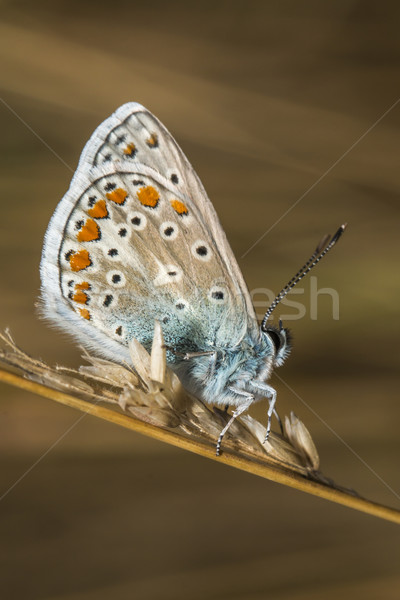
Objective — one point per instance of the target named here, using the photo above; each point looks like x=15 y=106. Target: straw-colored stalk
x=149 y=398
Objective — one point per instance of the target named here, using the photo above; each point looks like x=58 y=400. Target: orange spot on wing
x=152 y=141
x=99 y=210
x=80 y=297
x=79 y=260
x=82 y=286
x=84 y=313
x=148 y=196
x=130 y=149
x=118 y=196
x=89 y=232
x=179 y=207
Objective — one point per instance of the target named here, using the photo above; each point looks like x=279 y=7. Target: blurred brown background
x=271 y=101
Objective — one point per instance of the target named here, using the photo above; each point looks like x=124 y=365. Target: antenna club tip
x=338 y=234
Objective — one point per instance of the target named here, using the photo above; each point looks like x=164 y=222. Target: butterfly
x=136 y=239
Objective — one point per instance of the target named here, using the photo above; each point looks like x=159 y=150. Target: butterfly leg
x=271 y=410
x=189 y=355
x=248 y=401
x=279 y=421
x=269 y=391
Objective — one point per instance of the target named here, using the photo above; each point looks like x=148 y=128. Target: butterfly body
x=135 y=240
x=222 y=377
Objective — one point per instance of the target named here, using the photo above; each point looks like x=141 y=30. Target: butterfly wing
x=136 y=239
x=134 y=133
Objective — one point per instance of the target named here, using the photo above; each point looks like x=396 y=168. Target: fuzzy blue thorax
x=243 y=367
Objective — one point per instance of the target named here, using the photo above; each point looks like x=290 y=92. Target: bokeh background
x=287 y=112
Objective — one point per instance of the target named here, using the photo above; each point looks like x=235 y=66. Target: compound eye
x=281 y=340
x=276 y=339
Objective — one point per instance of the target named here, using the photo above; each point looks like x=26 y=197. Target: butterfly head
x=281 y=342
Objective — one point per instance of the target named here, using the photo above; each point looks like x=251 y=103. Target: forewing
x=133 y=133
x=133 y=241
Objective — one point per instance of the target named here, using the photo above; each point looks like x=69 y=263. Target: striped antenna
x=321 y=250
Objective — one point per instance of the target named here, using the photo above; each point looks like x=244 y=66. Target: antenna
x=321 y=250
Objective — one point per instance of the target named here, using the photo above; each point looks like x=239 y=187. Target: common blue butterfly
x=135 y=239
